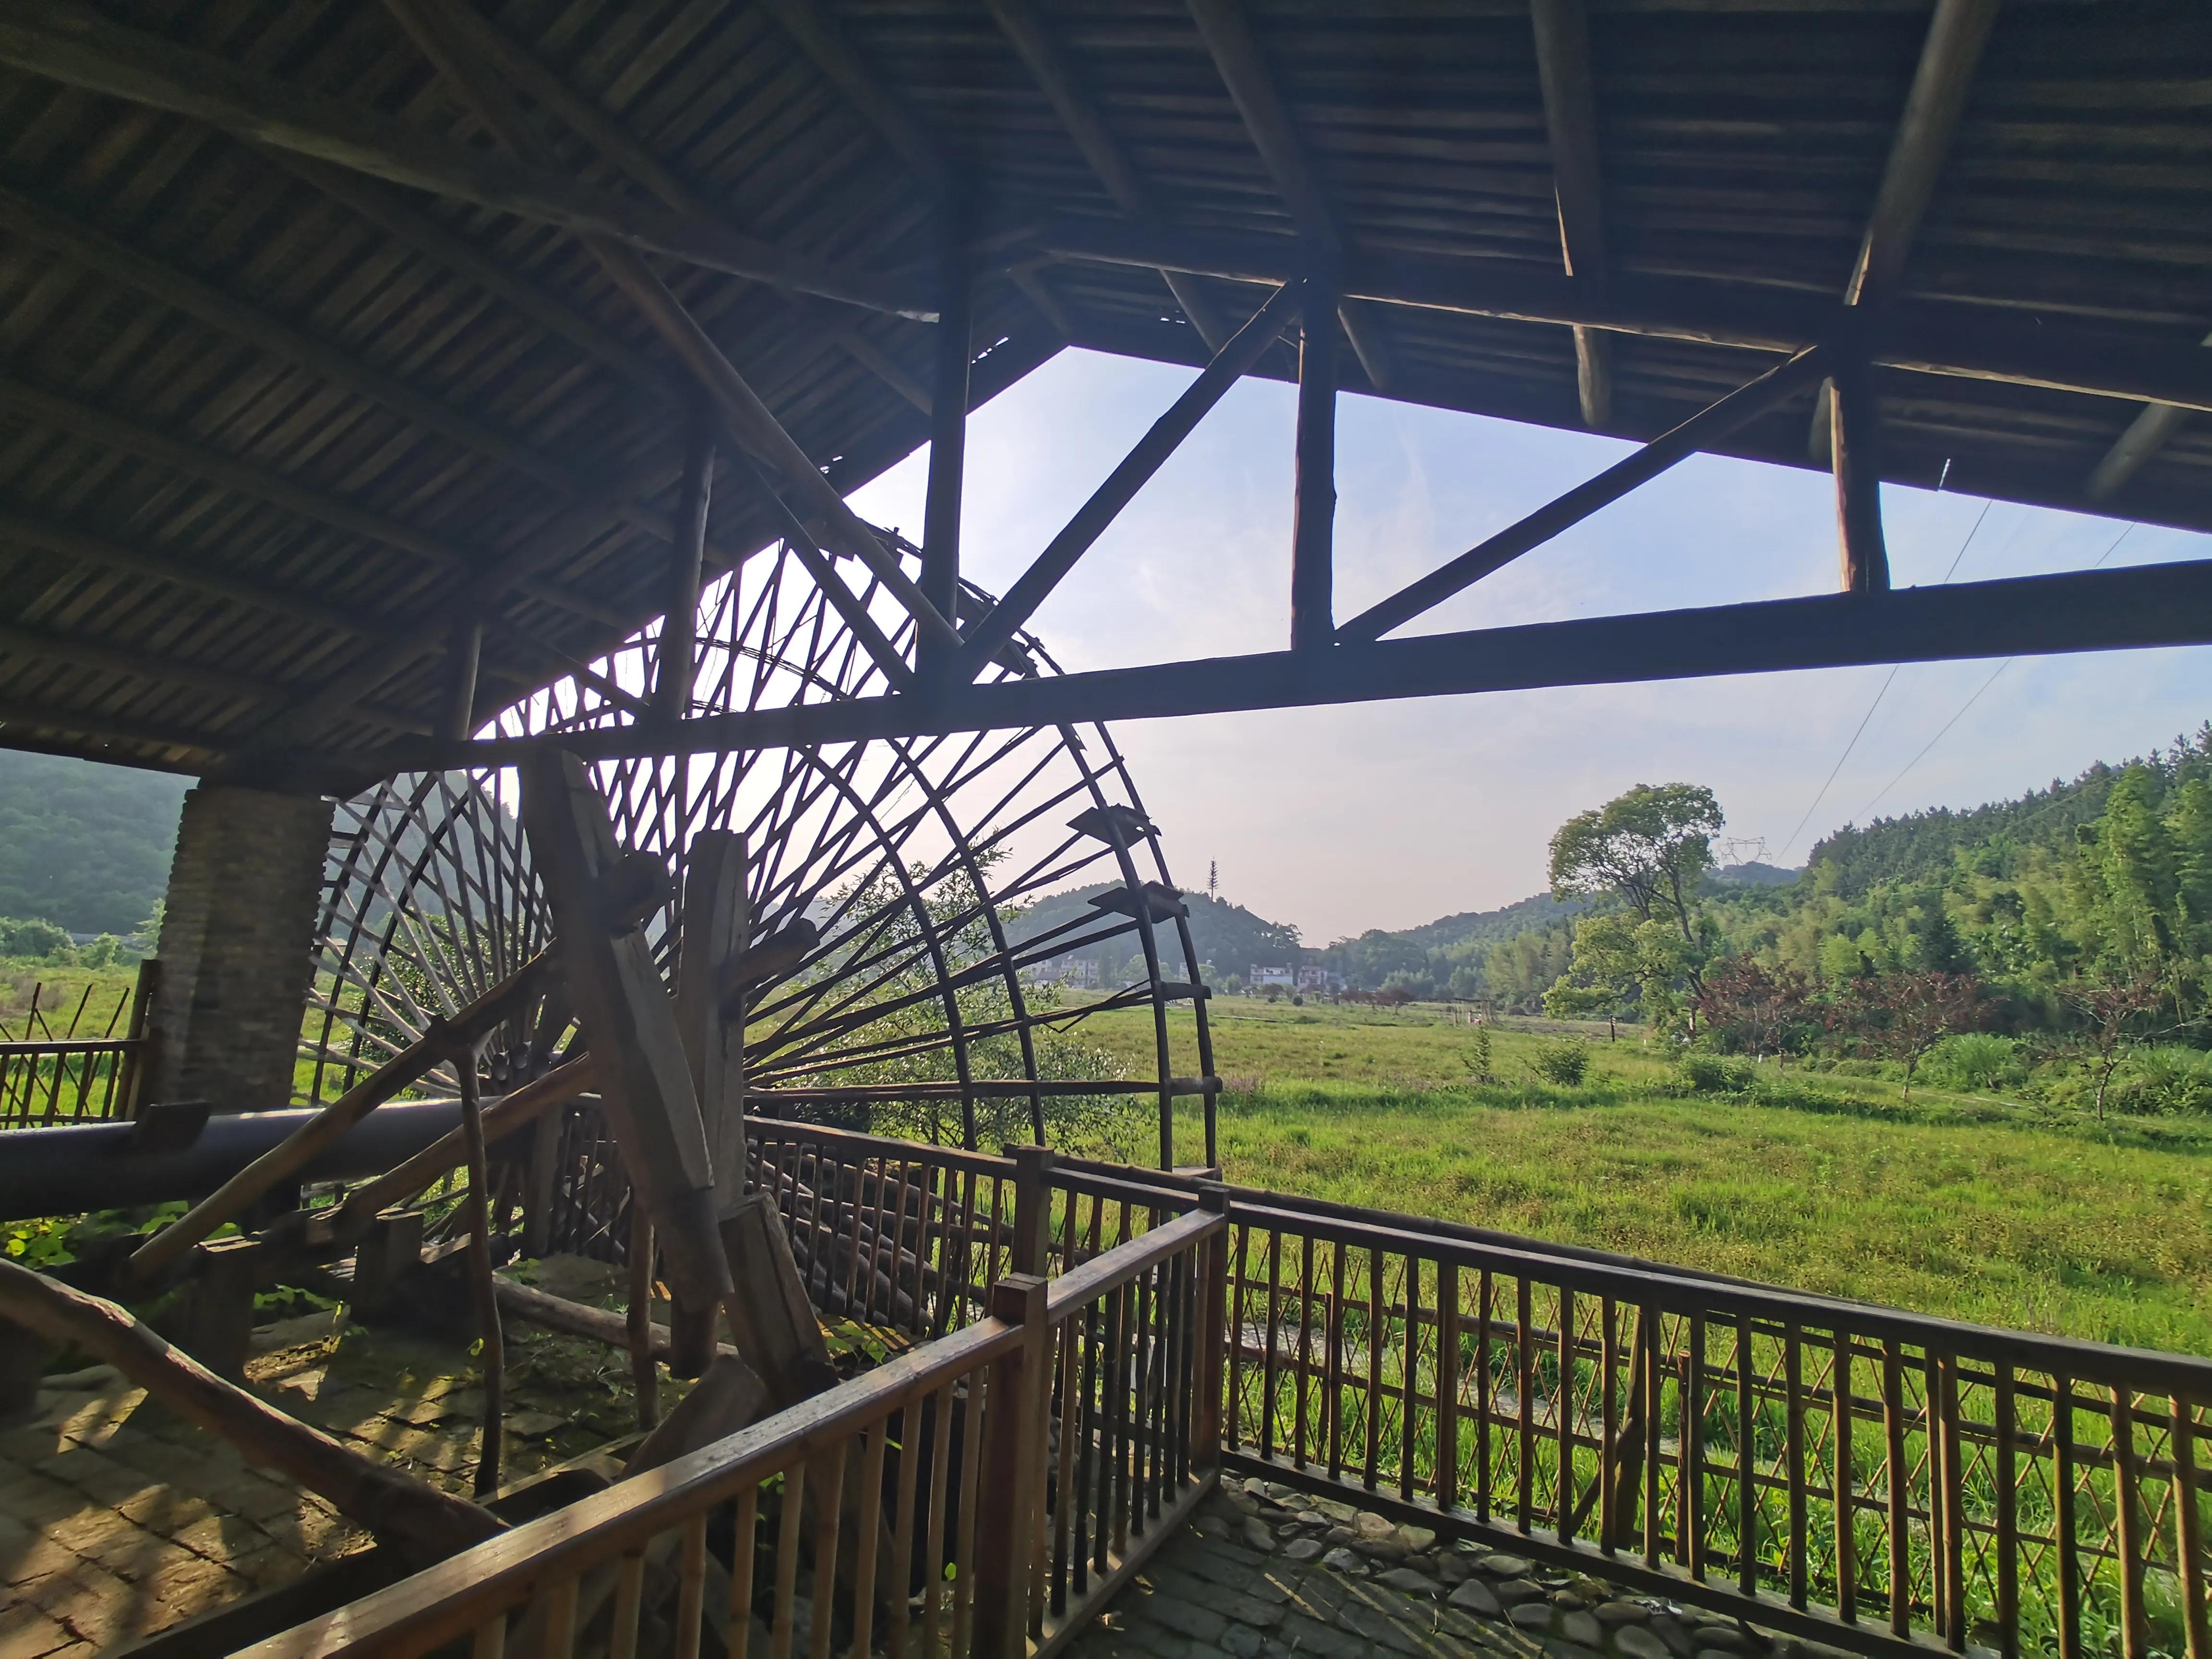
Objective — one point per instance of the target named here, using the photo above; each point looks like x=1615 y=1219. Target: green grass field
x=1968 y=1205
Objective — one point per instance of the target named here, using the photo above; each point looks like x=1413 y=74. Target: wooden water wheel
x=906 y=869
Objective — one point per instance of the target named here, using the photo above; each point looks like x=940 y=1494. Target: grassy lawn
x=1968 y=1205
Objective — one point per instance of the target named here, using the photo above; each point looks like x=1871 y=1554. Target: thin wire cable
x=1976 y=697
x=1974 y=530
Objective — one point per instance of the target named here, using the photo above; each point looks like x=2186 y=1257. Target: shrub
x=33 y=938
x=1974 y=1060
x=1714 y=1075
x=1564 y=1061
x=2169 y=1078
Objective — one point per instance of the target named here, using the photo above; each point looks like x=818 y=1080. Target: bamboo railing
x=1015 y=1471
x=82 y=1074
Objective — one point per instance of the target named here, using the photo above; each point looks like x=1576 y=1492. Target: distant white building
x=1286 y=977
x=1079 y=973
x=1319 y=980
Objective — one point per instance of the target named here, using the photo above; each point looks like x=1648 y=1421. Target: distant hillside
x=1227 y=935
x=81 y=845
x=1925 y=845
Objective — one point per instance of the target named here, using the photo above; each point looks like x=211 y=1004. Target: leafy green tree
x=1603 y=975
x=1650 y=848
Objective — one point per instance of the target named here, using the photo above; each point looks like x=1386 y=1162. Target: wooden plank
x=1313 y=518
x=1563 y=72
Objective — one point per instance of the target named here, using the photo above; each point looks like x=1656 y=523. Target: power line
x=1975 y=530
x=2113 y=548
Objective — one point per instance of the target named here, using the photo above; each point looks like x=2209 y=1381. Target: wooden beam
x=423 y=1523
x=140 y=664
x=1228 y=36
x=457 y=716
x=208 y=466
x=2144 y=437
x=1040 y=50
x=1957 y=31
x=1968 y=342
x=948 y=440
x=988 y=634
x=1855 y=442
x=599 y=128
x=747 y=419
x=1777 y=386
x=1563 y=70
x=70 y=45
x=676 y=660
x=1312 y=516
x=19 y=716
x=2139 y=607
x=818 y=35
x=1956 y=34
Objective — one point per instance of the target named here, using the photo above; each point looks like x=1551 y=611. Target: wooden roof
x=264 y=416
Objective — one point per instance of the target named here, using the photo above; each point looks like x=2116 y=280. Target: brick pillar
x=237 y=945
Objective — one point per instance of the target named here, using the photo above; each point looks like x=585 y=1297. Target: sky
x=1392 y=814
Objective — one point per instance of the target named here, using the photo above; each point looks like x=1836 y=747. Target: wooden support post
x=948 y=438
x=1213 y=1333
x=1313 y=622
x=715 y=920
x=1012 y=1472
x=1855 y=435
x=645 y=1083
x=1032 y=1207
x=637 y=1318
x=143 y=1062
x=392 y=1247
x=218 y=1315
x=770 y=1317
x=480 y=1285
x=545 y=1137
x=678 y=654
x=457 y=716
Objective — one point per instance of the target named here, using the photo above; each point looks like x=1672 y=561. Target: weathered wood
x=1228 y=364
x=637 y=1320
x=1855 y=446
x=535 y=1307
x=948 y=438
x=774 y=1324
x=478 y=1210
x=422 y=1523
x=710 y=1010
x=2144 y=437
x=1014 y=1430
x=1562 y=71
x=409 y=1065
x=676 y=658
x=66 y=44
x=1313 y=515
x=644 y=1081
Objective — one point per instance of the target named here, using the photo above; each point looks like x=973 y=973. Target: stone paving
x=1264 y=1571
x=118 y=1519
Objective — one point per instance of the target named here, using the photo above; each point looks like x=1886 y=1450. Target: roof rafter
x=2144 y=437
x=1563 y=69
x=72 y=46
x=1034 y=41
x=1228 y=35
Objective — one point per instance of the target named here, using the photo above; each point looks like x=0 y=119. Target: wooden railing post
x=1212 y=1331
x=1011 y=1486
x=1032 y=1207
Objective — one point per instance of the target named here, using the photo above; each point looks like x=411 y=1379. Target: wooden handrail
x=73 y=1046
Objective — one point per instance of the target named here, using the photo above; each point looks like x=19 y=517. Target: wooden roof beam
x=1563 y=70
x=1927 y=338
x=745 y=418
x=73 y=45
x=1956 y=34
x=2144 y=437
x=208 y=467
x=817 y=34
x=1228 y=36
x=1037 y=47
x=72 y=239
x=17 y=714
x=624 y=151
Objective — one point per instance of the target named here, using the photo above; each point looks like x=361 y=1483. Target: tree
x=1902 y=1016
x=1754 y=1006
x=1648 y=848
x=2118 y=1013
x=1603 y=974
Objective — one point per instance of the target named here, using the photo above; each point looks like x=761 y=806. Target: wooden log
x=637 y=1320
x=772 y=1322
x=66 y=44
x=710 y=1008
x=408 y=1066
x=480 y=1285
x=1855 y=434
x=422 y=1523
x=510 y=1112
x=1313 y=517
x=645 y=1081
x=553 y=1313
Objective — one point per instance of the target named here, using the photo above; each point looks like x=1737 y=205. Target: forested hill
x=1924 y=845
x=84 y=846
x=1227 y=935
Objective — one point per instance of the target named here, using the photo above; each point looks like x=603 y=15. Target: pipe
x=93 y=1166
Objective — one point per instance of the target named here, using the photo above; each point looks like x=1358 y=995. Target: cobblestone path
x=1263 y=1571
